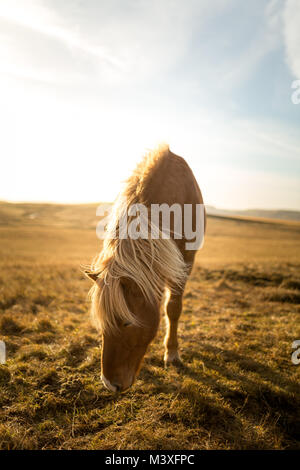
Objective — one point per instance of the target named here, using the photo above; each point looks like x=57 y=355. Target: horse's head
x=123 y=350
x=124 y=346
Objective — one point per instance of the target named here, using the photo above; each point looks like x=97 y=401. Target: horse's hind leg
x=172 y=313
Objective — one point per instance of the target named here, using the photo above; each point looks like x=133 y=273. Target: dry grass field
x=238 y=388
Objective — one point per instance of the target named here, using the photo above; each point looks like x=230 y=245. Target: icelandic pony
x=135 y=278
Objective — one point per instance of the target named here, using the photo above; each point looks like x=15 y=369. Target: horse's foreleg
x=173 y=312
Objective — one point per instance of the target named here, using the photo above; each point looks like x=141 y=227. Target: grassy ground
x=238 y=388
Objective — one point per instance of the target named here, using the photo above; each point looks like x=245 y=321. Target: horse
x=137 y=278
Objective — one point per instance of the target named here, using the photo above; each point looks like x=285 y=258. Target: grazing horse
x=136 y=277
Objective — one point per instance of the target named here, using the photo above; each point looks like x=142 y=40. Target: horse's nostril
x=117 y=387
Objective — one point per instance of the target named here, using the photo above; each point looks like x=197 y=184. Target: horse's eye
x=126 y=324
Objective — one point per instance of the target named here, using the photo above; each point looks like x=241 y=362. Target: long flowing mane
x=153 y=264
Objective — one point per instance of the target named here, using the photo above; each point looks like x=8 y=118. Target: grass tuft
x=9 y=326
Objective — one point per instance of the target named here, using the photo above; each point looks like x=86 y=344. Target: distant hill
x=263 y=213
x=84 y=215
x=47 y=214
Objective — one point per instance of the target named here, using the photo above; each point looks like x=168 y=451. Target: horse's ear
x=91 y=275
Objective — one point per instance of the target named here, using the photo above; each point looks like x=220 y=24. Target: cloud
x=292 y=35
x=135 y=41
x=265 y=37
x=115 y=41
x=42 y=20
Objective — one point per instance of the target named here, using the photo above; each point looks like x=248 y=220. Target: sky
x=87 y=86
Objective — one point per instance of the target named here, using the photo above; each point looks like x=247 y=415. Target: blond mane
x=153 y=264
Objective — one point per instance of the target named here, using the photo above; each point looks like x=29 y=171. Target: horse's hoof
x=173 y=360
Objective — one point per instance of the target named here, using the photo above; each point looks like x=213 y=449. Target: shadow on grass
x=269 y=394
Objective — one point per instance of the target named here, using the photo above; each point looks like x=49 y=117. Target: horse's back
x=173 y=182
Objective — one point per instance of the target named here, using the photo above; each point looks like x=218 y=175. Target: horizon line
x=65 y=203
